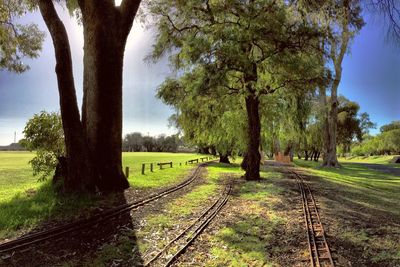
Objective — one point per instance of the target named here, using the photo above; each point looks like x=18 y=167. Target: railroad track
x=70 y=228
x=177 y=246
x=320 y=254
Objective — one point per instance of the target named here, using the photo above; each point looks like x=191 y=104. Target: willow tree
x=93 y=141
x=249 y=48
x=217 y=122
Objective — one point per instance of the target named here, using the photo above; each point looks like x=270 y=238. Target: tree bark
x=252 y=158
x=93 y=145
x=80 y=175
x=106 y=28
x=224 y=158
x=330 y=157
x=316 y=157
x=306 y=155
x=213 y=151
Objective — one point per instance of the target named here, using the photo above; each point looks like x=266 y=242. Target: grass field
x=247 y=237
x=371 y=159
x=363 y=210
x=25 y=202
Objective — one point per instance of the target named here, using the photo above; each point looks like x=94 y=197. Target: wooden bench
x=193 y=160
x=161 y=164
x=204 y=158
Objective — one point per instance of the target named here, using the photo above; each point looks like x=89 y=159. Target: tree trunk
x=316 y=157
x=306 y=155
x=102 y=84
x=252 y=158
x=213 y=151
x=224 y=158
x=80 y=174
x=93 y=146
x=330 y=157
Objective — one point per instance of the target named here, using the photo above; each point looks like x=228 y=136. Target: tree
x=351 y=125
x=93 y=143
x=387 y=142
x=133 y=142
x=391 y=126
x=148 y=143
x=17 y=40
x=390 y=11
x=366 y=123
x=44 y=134
x=245 y=49
x=206 y=121
x=345 y=23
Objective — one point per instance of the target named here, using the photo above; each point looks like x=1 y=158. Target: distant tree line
x=385 y=143
x=137 y=142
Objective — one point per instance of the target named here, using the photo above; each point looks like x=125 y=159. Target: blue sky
x=371 y=76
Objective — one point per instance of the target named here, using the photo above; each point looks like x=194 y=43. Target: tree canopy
x=243 y=50
x=17 y=40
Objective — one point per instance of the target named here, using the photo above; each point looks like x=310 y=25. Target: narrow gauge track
x=181 y=242
x=320 y=254
x=70 y=228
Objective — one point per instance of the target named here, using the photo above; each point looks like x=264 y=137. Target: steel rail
x=193 y=230
x=319 y=256
x=61 y=230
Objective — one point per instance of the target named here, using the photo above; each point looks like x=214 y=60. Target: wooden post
x=143 y=166
x=180 y=163
x=160 y=166
x=151 y=167
x=171 y=164
x=186 y=163
x=127 y=172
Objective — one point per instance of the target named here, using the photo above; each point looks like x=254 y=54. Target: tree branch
x=128 y=10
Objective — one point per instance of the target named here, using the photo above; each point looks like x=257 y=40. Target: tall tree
x=345 y=23
x=246 y=48
x=93 y=143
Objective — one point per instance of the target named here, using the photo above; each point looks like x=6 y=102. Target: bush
x=44 y=134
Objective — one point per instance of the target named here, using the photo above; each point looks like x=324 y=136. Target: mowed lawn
x=385 y=160
x=167 y=175
x=25 y=202
x=361 y=207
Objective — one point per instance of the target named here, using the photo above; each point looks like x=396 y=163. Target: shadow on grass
x=254 y=238
x=371 y=195
x=258 y=227
x=43 y=209
x=362 y=207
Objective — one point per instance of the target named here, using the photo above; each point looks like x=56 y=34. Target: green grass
x=371 y=159
x=248 y=240
x=25 y=202
x=157 y=178
x=178 y=210
x=368 y=188
x=16 y=174
x=366 y=205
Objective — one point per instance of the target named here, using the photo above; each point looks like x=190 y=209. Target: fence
x=162 y=164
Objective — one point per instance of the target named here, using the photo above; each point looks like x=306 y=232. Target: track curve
x=58 y=231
